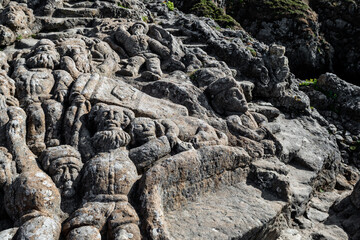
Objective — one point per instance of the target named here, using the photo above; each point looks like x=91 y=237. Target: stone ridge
x=133 y=120
x=319 y=35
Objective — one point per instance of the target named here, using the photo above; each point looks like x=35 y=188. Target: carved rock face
x=108 y=117
x=63 y=163
x=230 y=101
x=143 y=130
x=44 y=55
x=5 y=168
x=109 y=125
x=65 y=176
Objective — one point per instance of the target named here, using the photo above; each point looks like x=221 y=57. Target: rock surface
x=134 y=120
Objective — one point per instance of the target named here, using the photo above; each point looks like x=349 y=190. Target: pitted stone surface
x=132 y=120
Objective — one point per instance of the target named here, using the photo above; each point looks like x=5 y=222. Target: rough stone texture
x=239 y=211
x=132 y=120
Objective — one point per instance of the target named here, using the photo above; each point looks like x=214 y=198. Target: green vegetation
x=119 y=4
x=308 y=82
x=170 y=5
x=145 y=19
x=355 y=146
x=283 y=8
x=252 y=51
x=313 y=82
x=192 y=75
x=19 y=37
x=208 y=9
x=268 y=9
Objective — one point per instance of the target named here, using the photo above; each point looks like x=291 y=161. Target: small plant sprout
x=252 y=51
x=308 y=82
x=145 y=19
x=170 y=5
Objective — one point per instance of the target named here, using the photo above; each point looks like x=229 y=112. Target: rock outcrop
x=133 y=120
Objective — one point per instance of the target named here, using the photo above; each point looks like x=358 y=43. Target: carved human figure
x=63 y=164
x=227 y=97
x=198 y=132
x=110 y=120
x=152 y=140
x=141 y=48
x=17 y=18
x=7 y=92
x=106 y=181
x=104 y=59
x=43 y=55
x=34 y=86
x=75 y=56
x=31 y=198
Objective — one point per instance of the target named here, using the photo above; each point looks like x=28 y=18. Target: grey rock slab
x=290 y=234
x=117 y=92
x=231 y=212
x=316 y=215
x=76 y=12
x=8 y=234
x=304 y=141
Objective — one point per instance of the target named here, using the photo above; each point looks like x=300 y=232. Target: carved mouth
x=109 y=125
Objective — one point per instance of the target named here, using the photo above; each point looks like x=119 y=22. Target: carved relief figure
x=63 y=164
x=141 y=48
x=106 y=182
x=33 y=87
x=31 y=198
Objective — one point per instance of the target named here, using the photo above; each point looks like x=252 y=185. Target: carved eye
x=138 y=126
x=74 y=171
x=60 y=171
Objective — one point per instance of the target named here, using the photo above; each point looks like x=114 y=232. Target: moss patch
x=207 y=8
x=285 y=8
x=268 y=9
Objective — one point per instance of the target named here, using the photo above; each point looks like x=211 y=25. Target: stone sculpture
x=132 y=120
x=63 y=164
x=35 y=81
x=141 y=49
x=75 y=56
x=31 y=198
x=152 y=140
x=106 y=181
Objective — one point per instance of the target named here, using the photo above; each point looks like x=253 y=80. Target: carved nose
x=67 y=175
x=111 y=115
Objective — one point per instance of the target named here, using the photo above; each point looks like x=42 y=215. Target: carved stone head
x=63 y=164
x=110 y=120
x=142 y=130
x=227 y=97
x=7 y=85
x=7 y=169
x=139 y=28
x=44 y=55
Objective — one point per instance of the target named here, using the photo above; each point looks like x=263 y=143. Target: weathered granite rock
x=117 y=92
x=224 y=144
x=172 y=183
